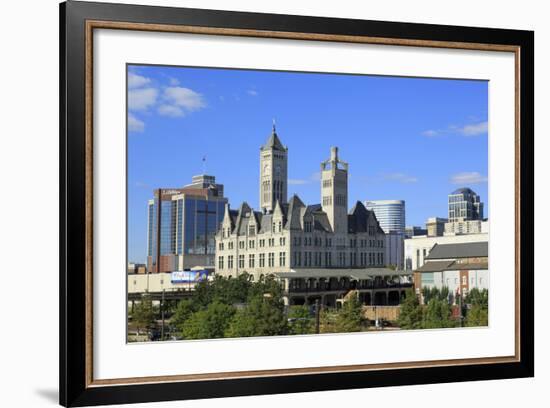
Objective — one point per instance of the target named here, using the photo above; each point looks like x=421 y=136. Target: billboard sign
x=189 y=276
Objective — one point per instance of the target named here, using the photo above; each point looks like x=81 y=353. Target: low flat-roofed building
x=417 y=249
x=459 y=266
x=435 y=226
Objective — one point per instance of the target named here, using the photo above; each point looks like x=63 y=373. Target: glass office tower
x=182 y=223
x=465 y=205
x=389 y=213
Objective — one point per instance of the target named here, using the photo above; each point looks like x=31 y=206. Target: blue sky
x=404 y=138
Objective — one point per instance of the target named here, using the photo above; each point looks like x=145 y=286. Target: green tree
x=438 y=314
x=266 y=286
x=209 y=323
x=477 y=315
x=478 y=312
x=327 y=323
x=410 y=312
x=300 y=320
x=228 y=290
x=350 y=316
x=183 y=311
x=262 y=316
x=144 y=314
x=477 y=297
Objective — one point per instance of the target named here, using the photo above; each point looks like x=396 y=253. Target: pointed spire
x=273 y=142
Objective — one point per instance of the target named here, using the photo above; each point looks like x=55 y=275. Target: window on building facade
x=280 y=226
x=241 y=261
x=251 y=230
x=271 y=259
x=282 y=258
x=282 y=241
x=220 y=262
x=262 y=260
x=308 y=226
x=251 y=261
x=230 y=262
x=251 y=243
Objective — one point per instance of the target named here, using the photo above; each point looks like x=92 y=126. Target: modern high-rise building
x=465 y=213
x=182 y=223
x=389 y=213
x=465 y=205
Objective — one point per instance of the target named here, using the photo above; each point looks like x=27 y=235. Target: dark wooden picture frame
x=77 y=22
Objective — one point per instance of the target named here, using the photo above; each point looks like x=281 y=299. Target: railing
x=339 y=288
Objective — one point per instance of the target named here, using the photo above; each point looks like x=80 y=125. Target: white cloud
x=315 y=177
x=141 y=99
x=134 y=124
x=475 y=129
x=472 y=129
x=400 y=178
x=430 y=133
x=136 y=81
x=471 y=177
x=184 y=98
x=174 y=82
x=252 y=92
x=170 y=110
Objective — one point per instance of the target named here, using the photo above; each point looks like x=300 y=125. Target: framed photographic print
x=256 y=203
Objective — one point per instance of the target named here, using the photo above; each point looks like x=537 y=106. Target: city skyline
x=186 y=121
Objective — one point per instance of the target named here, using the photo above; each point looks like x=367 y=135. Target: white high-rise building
x=389 y=213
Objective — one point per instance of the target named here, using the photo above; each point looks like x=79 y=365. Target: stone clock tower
x=273 y=172
x=334 y=191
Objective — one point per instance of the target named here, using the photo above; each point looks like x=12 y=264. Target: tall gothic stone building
x=284 y=236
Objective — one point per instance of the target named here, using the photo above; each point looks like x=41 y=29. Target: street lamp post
x=162 y=316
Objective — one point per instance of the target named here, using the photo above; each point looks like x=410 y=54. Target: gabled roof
x=359 y=217
x=440 y=266
x=321 y=222
x=293 y=213
x=435 y=266
x=460 y=250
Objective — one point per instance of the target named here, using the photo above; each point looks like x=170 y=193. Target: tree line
x=436 y=312
x=239 y=307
